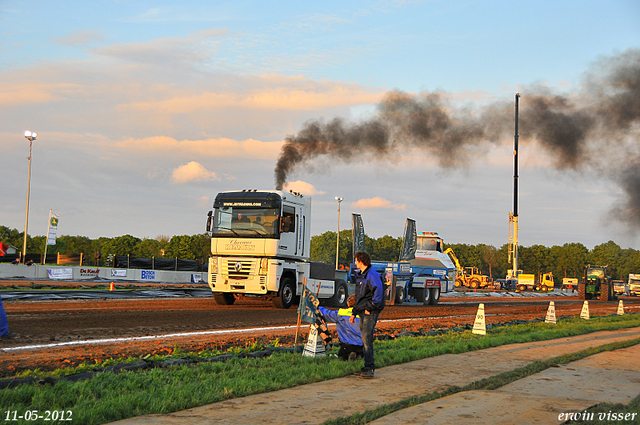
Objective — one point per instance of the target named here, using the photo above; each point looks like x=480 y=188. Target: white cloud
x=192 y=171
x=302 y=187
x=210 y=148
x=376 y=203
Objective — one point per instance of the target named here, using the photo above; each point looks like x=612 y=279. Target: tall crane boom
x=513 y=216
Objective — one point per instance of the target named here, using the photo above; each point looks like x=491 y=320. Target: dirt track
x=55 y=322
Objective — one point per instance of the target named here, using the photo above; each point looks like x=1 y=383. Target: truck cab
x=260 y=246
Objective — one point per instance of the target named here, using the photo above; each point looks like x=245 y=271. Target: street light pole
x=30 y=136
x=338 y=235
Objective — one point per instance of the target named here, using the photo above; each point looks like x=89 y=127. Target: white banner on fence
x=119 y=272
x=196 y=278
x=60 y=273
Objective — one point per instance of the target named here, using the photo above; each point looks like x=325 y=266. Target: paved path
x=540 y=398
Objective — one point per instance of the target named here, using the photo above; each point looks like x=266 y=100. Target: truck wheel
x=474 y=283
x=427 y=297
x=435 y=296
x=458 y=283
x=400 y=295
x=286 y=295
x=582 y=294
x=420 y=293
x=224 y=298
x=342 y=293
x=604 y=292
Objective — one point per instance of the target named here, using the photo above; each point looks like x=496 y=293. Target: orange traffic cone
x=111 y=286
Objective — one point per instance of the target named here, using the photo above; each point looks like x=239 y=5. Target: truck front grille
x=239 y=268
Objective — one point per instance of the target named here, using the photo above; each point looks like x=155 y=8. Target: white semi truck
x=260 y=243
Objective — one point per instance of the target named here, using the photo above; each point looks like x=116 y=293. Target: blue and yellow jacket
x=349 y=333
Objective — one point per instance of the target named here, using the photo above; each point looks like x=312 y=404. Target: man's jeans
x=4 y=326
x=367 y=327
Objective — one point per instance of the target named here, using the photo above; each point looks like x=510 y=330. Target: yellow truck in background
x=527 y=282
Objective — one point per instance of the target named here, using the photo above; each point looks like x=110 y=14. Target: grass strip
x=109 y=397
x=493 y=383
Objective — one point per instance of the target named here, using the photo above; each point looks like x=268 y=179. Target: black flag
x=408 y=251
x=358 y=233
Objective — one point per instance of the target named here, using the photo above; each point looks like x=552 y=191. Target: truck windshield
x=245 y=222
x=595 y=273
x=427 y=244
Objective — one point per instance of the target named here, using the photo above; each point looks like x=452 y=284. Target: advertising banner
x=118 y=273
x=60 y=273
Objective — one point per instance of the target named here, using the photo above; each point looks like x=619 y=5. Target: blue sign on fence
x=148 y=274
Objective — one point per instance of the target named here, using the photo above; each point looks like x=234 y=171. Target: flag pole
x=295 y=342
x=46 y=241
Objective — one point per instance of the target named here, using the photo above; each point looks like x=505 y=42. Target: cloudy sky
x=146 y=109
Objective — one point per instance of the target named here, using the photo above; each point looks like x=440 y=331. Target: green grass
x=114 y=396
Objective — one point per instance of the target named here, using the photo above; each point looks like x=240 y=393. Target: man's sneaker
x=367 y=374
x=353 y=356
x=360 y=372
x=10 y=335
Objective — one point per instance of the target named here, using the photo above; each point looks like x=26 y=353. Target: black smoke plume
x=595 y=128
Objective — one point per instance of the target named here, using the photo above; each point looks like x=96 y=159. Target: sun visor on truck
x=248 y=200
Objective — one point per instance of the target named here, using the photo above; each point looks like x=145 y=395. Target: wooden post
x=295 y=342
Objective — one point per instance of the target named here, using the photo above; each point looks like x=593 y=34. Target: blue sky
x=145 y=110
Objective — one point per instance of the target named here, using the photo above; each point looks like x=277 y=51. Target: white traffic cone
x=551 y=313
x=480 y=326
x=620 y=308
x=584 y=314
x=315 y=345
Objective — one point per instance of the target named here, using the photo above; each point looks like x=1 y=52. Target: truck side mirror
x=209 y=219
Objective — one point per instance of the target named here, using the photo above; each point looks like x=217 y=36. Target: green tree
x=491 y=257
x=607 y=254
x=386 y=248
x=147 y=248
x=120 y=245
x=11 y=237
x=180 y=247
x=201 y=246
x=323 y=247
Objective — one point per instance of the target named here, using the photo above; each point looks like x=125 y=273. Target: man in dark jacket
x=369 y=304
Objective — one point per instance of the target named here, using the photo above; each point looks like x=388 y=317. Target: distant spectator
x=30 y=263
x=4 y=325
x=16 y=261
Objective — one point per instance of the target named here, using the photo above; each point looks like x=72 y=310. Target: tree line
x=567 y=260
x=184 y=246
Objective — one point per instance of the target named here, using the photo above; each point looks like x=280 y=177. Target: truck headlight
x=264 y=266
x=213 y=266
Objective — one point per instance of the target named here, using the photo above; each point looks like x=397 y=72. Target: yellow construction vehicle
x=527 y=282
x=469 y=277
